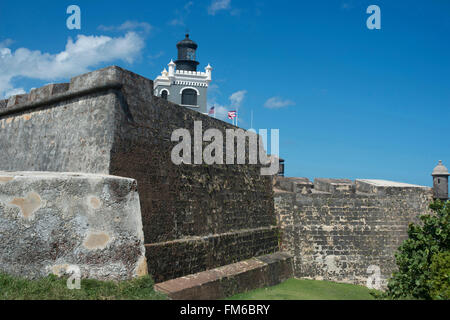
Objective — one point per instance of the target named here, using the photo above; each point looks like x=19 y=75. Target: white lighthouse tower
x=183 y=84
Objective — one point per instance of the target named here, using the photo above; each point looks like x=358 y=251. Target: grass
x=295 y=289
x=54 y=288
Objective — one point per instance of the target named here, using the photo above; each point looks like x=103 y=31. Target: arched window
x=189 y=97
x=164 y=94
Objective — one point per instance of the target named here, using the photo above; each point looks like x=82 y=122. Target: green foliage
x=440 y=276
x=428 y=244
x=54 y=288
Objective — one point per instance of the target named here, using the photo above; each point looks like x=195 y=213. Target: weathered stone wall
x=51 y=221
x=336 y=229
x=108 y=121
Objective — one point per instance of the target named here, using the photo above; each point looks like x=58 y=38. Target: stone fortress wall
x=194 y=217
x=337 y=228
x=204 y=221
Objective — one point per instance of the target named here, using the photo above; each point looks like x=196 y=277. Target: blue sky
x=349 y=102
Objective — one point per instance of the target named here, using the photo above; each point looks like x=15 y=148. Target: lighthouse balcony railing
x=194 y=73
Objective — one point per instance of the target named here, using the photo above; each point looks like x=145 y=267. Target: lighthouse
x=181 y=83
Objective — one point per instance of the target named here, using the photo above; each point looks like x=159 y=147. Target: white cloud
x=347 y=6
x=127 y=26
x=181 y=15
x=222 y=110
x=278 y=102
x=14 y=92
x=235 y=12
x=213 y=88
x=78 y=57
x=157 y=55
x=218 y=5
x=5 y=43
x=237 y=98
x=177 y=22
x=188 y=5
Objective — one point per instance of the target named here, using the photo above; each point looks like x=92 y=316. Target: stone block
x=47 y=91
x=17 y=99
x=334 y=185
x=384 y=187
x=3 y=104
x=302 y=185
x=50 y=222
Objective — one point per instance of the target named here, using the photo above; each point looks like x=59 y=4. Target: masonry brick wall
x=338 y=233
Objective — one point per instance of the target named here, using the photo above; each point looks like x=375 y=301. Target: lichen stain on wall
x=142 y=268
x=94 y=202
x=6 y=179
x=60 y=270
x=28 y=205
x=96 y=240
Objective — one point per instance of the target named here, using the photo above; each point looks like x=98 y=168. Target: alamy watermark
x=374 y=280
x=374 y=21
x=74 y=20
x=74 y=281
x=213 y=153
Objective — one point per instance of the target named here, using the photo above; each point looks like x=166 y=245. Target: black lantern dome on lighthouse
x=181 y=83
x=186 y=55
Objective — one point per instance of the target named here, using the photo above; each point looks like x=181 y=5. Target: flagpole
x=251 y=122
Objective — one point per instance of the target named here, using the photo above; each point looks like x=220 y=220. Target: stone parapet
x=231 y=279
x=334 y=185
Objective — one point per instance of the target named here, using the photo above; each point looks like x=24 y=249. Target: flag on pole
x=232 y=114
x=212 y=111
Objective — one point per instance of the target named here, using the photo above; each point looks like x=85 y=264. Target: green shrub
x=427 y=243
x=440 y=276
